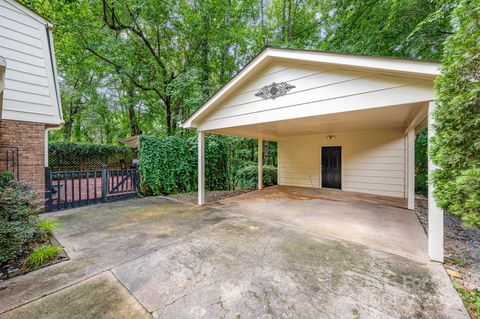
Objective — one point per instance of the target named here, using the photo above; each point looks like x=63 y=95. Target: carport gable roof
x=406 y=67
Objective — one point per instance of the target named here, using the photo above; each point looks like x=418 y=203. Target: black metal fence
x=9 y=160
x=64 y=156
x=64 y=190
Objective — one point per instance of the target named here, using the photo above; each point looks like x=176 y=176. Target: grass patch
x=47 y=226
x=41 y=256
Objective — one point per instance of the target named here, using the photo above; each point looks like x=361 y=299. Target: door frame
x=341 y=165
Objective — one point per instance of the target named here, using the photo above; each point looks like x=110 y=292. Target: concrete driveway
x=156 y=257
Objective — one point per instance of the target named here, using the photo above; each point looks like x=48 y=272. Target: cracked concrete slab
x=246 y=268
x=101 y=296
x=183 y=261
x=100 y=237
x=378 y=221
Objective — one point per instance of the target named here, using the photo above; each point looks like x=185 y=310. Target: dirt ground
x=210 y=197
x=462 y=254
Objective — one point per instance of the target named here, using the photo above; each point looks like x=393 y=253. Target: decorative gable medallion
x=274 y=90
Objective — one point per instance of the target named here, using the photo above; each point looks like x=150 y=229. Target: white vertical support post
x=260 y=163
x=46 y=148
x=435 y=214
x=201 y=167
x=411 y=168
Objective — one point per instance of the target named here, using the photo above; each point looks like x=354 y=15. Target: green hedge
x=421 y=163
x=168 y=164
x=456 y=146
x=247 y=176
x=66 y=154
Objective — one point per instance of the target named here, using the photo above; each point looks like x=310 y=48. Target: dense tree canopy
x=143 y=66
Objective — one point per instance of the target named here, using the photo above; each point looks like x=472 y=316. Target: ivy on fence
x=169 y=164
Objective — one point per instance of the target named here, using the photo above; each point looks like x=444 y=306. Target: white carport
x=341 y=121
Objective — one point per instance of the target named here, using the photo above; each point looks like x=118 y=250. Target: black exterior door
x=332 y=166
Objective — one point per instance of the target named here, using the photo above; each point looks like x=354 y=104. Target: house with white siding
x=341 y=121
x=29 y=92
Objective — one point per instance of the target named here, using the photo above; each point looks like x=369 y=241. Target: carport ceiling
x=398 y=116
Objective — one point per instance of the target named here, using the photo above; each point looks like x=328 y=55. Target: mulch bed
x=462 y=252
x=15 y=268
x=210 y=197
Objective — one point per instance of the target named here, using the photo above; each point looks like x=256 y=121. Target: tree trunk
x=262 y=21
x=289 y=21
x=132 y=116
x=134 y=128
x=205 y=66
x=168 y=110
x=68 y=130
x=284 y=9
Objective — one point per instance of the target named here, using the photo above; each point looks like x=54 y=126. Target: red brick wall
x=30 y=139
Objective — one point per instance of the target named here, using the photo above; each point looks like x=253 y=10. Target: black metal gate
x=9 y=160
x=71 y=189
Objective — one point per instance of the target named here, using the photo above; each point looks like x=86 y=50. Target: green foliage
x=18 y=219
x=41 y=256
x=471 y=299
x=247 y=176
x=456 y=146
x=47 y=226
x=122 y=73
x=169 y=164
x=421 y=162
x=65 y=154
x=6 y=178
x=405 y=28
x=145 y=65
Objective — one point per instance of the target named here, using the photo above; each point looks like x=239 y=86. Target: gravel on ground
x=462 y=254
x=210 y=197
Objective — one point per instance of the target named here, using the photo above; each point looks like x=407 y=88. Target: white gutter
x=3 y=65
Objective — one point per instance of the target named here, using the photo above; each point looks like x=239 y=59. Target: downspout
x=48 y=28
x=2 y=83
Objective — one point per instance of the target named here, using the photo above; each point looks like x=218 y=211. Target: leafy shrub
x=6 y=178
x=41 y=256
x=18 y=219
x=461 y=196
x=247 y=176
x=61 y=154
x=456 y=146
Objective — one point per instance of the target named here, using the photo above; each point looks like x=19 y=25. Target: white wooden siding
x=30 y=93
x=372 y=161
x=318 y=91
